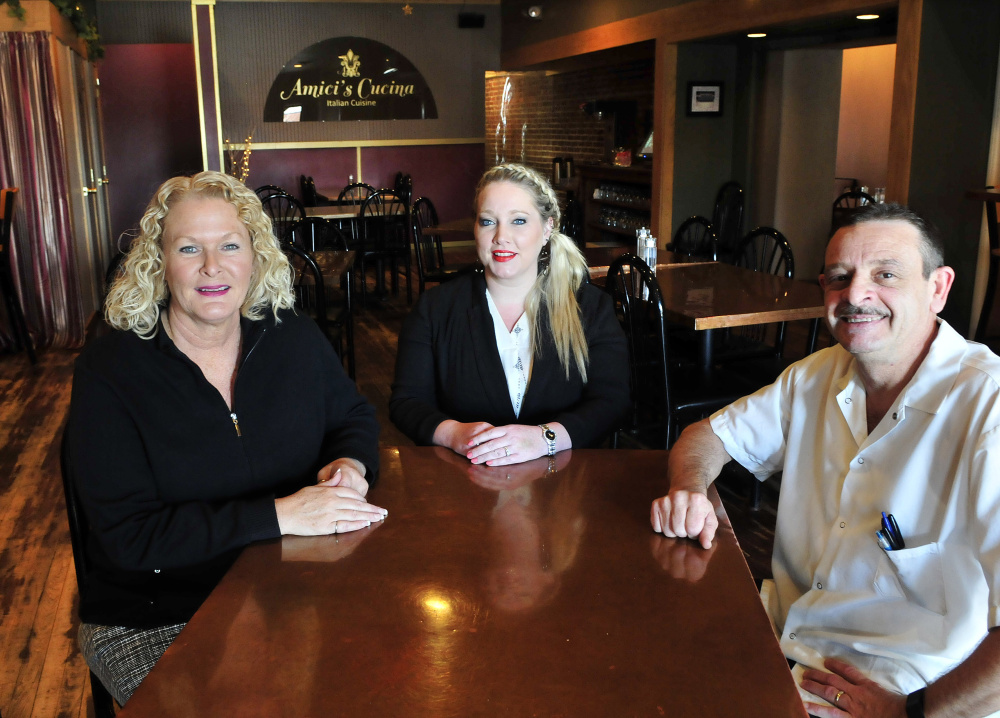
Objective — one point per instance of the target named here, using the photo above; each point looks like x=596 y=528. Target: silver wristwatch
x=550 y=438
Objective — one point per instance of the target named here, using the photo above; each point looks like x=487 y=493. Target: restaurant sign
x=349 y=78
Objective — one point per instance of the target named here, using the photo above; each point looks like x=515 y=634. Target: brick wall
x=546 y=109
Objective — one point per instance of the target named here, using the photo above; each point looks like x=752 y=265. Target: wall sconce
x=534 y=12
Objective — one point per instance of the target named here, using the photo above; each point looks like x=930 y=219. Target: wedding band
x=336 y=529
x=506 y=451
x=837 y=699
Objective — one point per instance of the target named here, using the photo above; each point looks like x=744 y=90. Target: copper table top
x=524 y=591
x=348 y=211
x=457 y=227
x=333 y=265
x=714 y=295
x=599 y=259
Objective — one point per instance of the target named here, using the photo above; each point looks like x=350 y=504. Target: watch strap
x=915 y=704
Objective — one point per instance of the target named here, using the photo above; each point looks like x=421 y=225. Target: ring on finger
x=836 y=700
x=336 y=527
x=506 y=451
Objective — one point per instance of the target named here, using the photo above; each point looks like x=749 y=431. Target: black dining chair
x=665 y=396
x=284 y=211
x=265 y=191
x=694 y=238
x=756 y=352
x=334 y=319
x=310 y=197
x=355 y=193
x=431 y=265
x=727 y=219
x=15 y=312
x=384 y=223
x=79 y=530
x=315 y=233
x=403 y=187
x=845 y=206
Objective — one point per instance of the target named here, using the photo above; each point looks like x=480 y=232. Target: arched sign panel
x=349 y=78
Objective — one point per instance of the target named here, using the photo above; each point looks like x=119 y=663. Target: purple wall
x=328 y=167
x=446 y=173
x=149 y=102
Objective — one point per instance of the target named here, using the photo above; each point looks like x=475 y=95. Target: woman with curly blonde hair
x=134 y=298
x=214 y=417
x=523 y=359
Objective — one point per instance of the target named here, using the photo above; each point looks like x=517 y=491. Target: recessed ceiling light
x=535 y=12
x=868 y=17
x=756 y=34
x=297 y=64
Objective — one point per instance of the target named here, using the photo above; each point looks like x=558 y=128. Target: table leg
x=813 y=336
x=707 y=338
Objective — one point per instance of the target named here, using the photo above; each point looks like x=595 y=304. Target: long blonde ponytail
x=559 y=277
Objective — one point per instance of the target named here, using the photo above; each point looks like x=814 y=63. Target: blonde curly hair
x=556 y=287
x=139 y=291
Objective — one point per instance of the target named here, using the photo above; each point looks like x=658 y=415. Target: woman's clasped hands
x=483 y=443
x=336 y=504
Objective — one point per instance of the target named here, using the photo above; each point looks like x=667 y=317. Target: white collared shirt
x=902 y=617
x=515 y=353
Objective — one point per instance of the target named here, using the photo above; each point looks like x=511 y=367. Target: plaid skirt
x=122 y=657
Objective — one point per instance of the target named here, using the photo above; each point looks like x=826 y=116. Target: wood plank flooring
x=41 y=671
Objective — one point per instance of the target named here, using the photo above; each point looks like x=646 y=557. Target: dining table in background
x=335 y=212
x=534 y=589
x=709 y=296
x=453 y=230
x=599 y=259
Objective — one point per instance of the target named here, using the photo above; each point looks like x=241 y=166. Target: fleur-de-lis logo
x=351 y=64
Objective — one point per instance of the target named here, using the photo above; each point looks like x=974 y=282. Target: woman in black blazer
x=523 y=358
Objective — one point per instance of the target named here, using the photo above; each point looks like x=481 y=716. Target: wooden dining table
x=461 y=228
x=710 y=296
x=532 y=590
x=335 y=212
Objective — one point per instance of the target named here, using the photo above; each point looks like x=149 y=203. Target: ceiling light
x=756 y=34
x=535 y=12
x=868 y=17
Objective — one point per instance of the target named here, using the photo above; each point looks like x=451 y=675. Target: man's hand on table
x=861 y=697
x=685 y=514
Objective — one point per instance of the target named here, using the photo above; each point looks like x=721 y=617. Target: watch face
x=550 y=435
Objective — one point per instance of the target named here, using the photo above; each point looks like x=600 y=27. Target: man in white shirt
x=901 y=420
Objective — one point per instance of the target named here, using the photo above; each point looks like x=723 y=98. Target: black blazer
x=448 y=367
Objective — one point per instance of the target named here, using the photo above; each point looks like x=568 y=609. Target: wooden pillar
x=207 y=73
x=904 y=100
x=664 y=113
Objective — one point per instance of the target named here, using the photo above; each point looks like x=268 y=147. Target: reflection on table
x=537 y=589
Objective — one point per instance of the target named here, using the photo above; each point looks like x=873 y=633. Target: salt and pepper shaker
x=646 y=247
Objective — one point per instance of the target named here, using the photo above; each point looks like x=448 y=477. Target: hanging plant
x=85 y=27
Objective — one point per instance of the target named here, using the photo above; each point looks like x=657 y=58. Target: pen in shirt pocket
x=889 y=537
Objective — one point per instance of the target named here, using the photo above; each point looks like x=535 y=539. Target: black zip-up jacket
x=171 y=488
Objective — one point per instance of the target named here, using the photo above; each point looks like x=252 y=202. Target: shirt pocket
x=914 y=574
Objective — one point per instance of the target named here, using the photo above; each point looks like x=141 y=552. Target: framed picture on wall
x=704 y=99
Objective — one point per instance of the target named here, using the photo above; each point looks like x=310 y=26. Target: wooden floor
x=41 y=671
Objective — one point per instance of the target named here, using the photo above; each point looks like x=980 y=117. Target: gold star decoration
x=407 y=9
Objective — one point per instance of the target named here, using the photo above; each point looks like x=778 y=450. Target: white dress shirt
x=515 y=353
x=902 y=617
